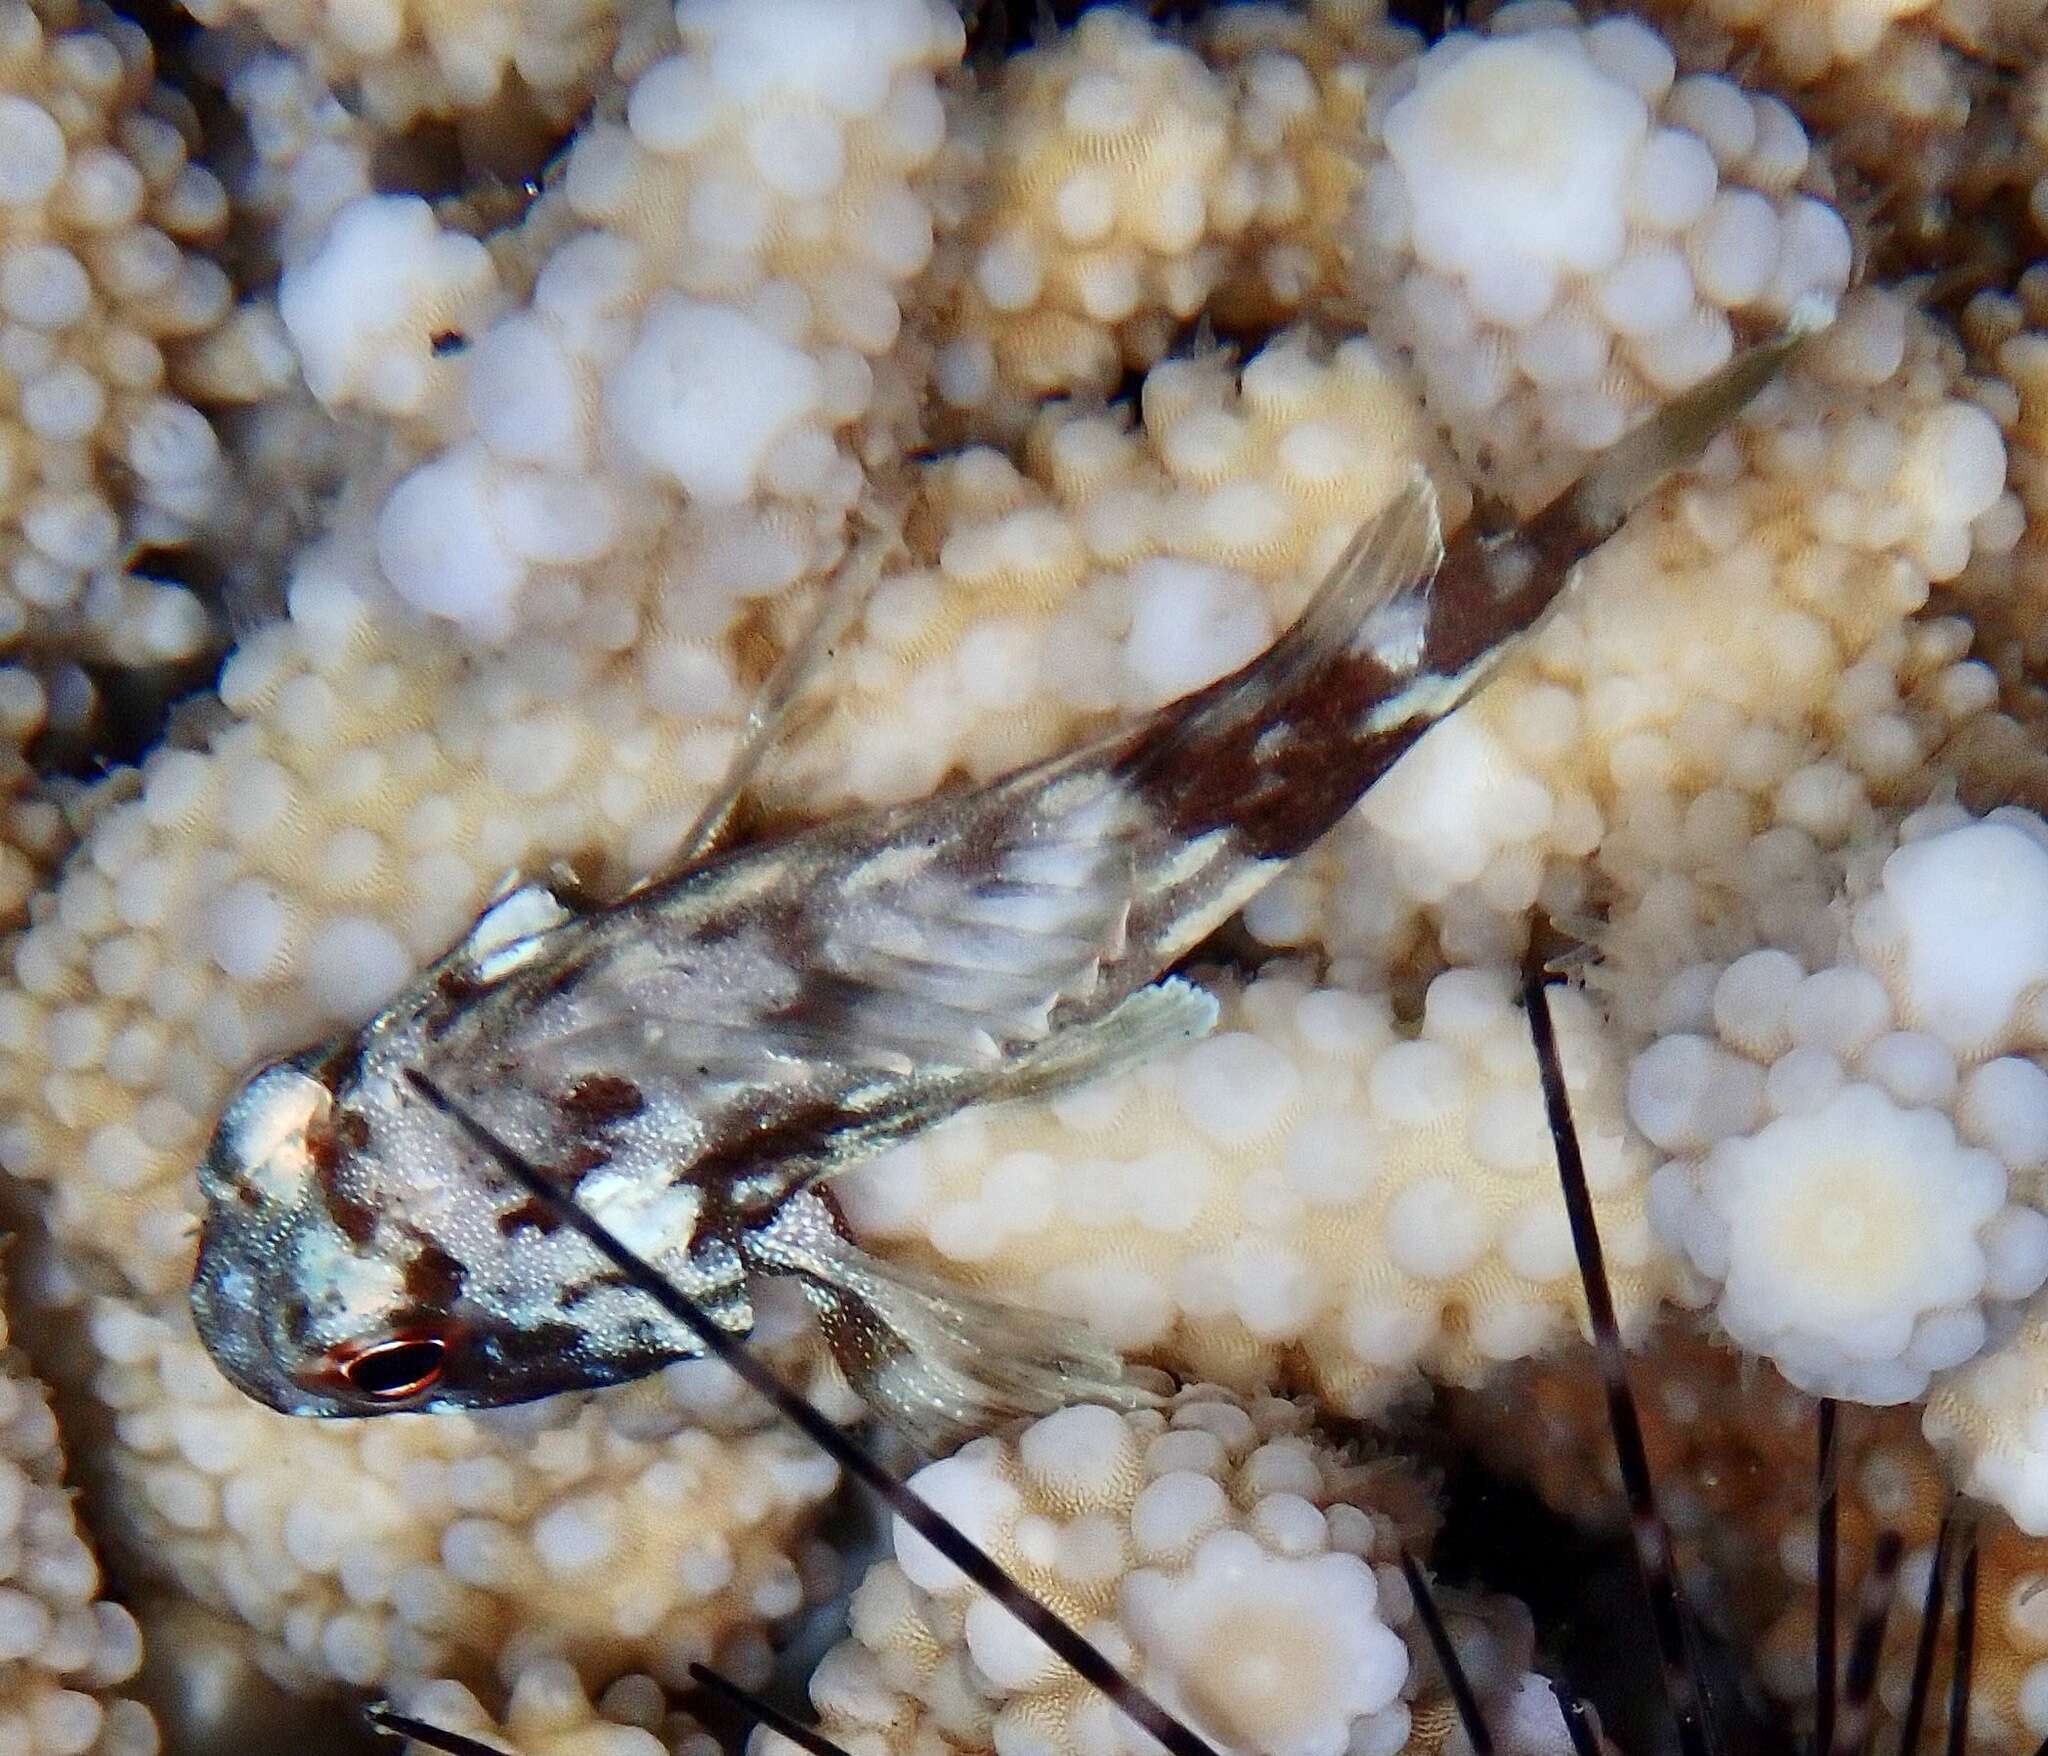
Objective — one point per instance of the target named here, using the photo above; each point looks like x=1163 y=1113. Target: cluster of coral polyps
x=1240 y=1569
x=1136 y=184
x=64 y=1651
x=548 y=1712
x=645 y=1532
x=1564 y=232
x=408 y=60
x=700 y=362
x=107 y=294
x=1083 y=363
x=1858 y=1148
x=1312 y=1190
x=1933 y=106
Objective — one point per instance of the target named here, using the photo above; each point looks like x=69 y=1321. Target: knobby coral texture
x=425 y=428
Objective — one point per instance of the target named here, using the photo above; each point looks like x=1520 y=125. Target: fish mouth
x=232 y=1308
x=386 y=1374
x=281 y=1396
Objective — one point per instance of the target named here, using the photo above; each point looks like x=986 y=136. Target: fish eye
x=396 y=1370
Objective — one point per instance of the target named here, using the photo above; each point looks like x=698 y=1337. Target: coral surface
x=1734 y=1447
x=107 y=288
x=1243 y=1572
x=1312 y=1191
x=65 y=1652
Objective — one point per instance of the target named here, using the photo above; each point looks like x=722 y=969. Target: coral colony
x=483 y=451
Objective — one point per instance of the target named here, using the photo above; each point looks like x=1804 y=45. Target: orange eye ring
x=396 y=1369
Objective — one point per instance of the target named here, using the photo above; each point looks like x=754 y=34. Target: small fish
x=696 y=1060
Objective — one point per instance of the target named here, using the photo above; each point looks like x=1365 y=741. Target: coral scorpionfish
x=693 y=1061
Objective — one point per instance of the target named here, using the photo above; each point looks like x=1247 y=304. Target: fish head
x=300 y=1292
x=359 y=1256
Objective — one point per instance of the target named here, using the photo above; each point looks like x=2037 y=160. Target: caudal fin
x=1625 y=473
x=1402 y=630
x=1276 y=752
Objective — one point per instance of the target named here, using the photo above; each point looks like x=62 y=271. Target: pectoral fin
x=1152 y=1020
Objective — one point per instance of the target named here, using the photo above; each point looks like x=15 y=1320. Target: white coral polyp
x=1276 y=1653
x=1959 y=930
x=1225 y=1558
x=364 y=308
x=1992 y=1421
x=439 y=545
x=1854 y=1251
x=825 y=50
x=1517 y=146
x=706 y=393
x=1858 y=1152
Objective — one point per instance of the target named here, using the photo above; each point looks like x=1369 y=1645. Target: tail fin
x=937 y=1362
x=1623 y=475
x=1279 y=750
x=1374 y=600
x=1404 y=628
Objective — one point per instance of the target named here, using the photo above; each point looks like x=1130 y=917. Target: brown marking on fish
x=1275 y=796
x=583 y=1158
x=339 y=1066
x=559 y=981
x=457 y=985
x=356 y=1220
x=328 y=1140
x=531 y=1214
x=788 y=1143
x=455 y=989
x=602 y=1100
x=1278 y=794
x=602 y=1281
x=1499 y=575
x=721 y=929
x=433 y=1278
x=323 y=1151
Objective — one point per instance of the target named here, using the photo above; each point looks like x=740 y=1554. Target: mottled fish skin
x=691 y=1062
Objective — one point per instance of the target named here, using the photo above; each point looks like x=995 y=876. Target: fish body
x=695 y=1061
